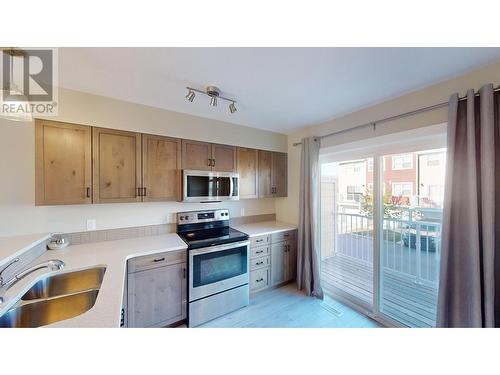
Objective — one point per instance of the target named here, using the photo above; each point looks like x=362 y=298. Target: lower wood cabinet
x=273 y=260
x=156 y=290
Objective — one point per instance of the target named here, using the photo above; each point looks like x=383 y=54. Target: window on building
x=433 y=160
x=354 y=193
x=402 y=189
x=403 y=161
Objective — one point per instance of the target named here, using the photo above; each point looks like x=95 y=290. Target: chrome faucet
x=52 y=265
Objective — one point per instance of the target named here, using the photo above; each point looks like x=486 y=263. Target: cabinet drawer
x=257 y=252
x=259 y=241
x=259 y=279
x=259 y=263
x=282 y=236
x=156 y=260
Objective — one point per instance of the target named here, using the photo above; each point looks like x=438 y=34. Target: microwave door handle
x=231 y=186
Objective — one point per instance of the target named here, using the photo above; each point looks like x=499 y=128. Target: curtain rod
x=374 y=124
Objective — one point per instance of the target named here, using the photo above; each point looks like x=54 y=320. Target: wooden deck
x=403 y=299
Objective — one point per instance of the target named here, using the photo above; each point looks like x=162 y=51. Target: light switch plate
x=91 y=224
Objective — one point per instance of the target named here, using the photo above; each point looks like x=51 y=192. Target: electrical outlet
x=91 y=224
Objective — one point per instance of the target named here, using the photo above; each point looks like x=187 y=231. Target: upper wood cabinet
x=203 y=156
x=280 y=174
x=265 y=174
x=248 y=169
x=196 y=155
x=161 y=164
x=273 y=180
x=116 y=166
x=63 y=163
x=223 y=158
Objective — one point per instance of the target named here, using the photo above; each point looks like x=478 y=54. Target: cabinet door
x=278 y=255
x=117 y=166
x=63 y=163
x=196 y=155
x=248 y=162
x=265 y=174
x=157 y=297
x=280 y=172
x=161 y=164
x=224 y=158
x=291 y=261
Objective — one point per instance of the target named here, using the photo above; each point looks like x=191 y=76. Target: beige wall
x=18 y=214
x=287 y=209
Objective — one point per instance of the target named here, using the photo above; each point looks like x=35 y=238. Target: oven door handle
x=227 y=246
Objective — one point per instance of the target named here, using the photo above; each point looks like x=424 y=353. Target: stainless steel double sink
x=56 y=297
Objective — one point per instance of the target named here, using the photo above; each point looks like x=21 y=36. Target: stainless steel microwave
x=209 y=186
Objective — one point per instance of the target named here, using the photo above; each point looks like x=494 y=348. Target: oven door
x=216 y=269
x=206 y=186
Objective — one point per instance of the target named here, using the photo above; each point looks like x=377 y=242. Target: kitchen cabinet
x=273 y=170
x=116 y=166
x=248 y=169
x=63 y=163
x=196 y=155
x=161 y=168
x=279 y=174
x=223 y=158
x=283 y=258
x=203 y=156
x=156 y=290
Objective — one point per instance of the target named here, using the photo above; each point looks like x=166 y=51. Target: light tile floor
x=286 y=307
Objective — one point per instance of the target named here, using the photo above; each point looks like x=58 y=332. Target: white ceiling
x=278 y=89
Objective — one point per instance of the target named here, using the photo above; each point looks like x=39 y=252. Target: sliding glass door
x=347 y=229
x=410 y=241
x=381 y=231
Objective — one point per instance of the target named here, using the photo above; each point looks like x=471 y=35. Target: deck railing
x=408 y=247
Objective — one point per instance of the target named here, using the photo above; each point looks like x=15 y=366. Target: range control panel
x=192 y=217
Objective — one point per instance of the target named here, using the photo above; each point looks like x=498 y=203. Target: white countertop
x=264 y=227
x=12 y=247
x=112 y=254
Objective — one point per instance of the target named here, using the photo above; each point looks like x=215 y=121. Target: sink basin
x=66 y=283
x=48 y=311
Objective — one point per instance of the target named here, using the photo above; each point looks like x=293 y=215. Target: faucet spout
x=52 y=265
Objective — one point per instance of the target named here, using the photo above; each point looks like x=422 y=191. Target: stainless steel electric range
x=218 y=259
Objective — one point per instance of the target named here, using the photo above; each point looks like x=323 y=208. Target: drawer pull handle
x=259 y=280
x=286 y=235
x=260 y=251
x=259 y=263
x=259 y=240
x=159 y=260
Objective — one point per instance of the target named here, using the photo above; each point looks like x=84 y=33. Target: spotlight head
x=232 y=107
x=190 y=95
x=213 y=101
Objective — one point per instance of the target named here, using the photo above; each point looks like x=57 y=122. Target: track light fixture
x=214 y=93
x=190 y=95
x=232 y=107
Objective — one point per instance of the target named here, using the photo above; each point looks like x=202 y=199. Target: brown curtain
x=308 y=271
x=469 y=290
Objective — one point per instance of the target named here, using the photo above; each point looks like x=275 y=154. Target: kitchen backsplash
x=78 y=238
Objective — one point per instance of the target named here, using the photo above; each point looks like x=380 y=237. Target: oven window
x=220 y=265
x=199 y=186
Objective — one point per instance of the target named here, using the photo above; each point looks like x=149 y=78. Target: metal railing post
x=417 y=249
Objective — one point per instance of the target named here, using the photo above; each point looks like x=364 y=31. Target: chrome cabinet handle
x=261 y=240
x=259 y=280
x=159 y=260
x=260 y=251
x=259 y=263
